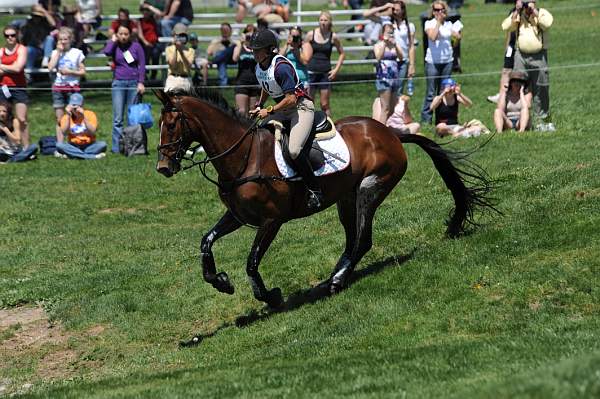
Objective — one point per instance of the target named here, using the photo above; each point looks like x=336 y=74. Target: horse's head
x=173 y=135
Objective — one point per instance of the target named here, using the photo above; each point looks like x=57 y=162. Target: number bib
x=266 y=78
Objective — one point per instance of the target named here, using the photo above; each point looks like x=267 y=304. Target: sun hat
x=179 y=29
x=76 y=99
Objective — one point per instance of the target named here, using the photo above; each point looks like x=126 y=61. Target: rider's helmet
x=263 y=39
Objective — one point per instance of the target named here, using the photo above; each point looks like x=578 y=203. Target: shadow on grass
x=303 y=297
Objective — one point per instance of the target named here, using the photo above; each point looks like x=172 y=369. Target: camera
x=296 y=38
x=181 y=39
x=525 y=5
x=247 y=37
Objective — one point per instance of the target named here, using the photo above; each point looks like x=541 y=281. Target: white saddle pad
x=335 y=145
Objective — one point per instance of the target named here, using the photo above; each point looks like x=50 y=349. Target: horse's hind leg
x=227 y=224
x=264 y=237
x=347 y=213
x=369 y=195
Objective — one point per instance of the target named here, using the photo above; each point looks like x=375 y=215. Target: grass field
x=109 y=250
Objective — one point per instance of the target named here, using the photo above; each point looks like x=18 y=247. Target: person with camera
x=445 y=106
x=220 y=52
x=531 y=56
x=388 y=53
x=298 y=53
x=247 y=89
x=80 y=126
x=180 y=59
x=440 y=56
x=67 y=62
x=279 y=80
x=11 y=147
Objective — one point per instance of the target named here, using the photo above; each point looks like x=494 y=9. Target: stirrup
x=315 y=198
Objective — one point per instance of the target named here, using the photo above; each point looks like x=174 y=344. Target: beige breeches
x=301 y=118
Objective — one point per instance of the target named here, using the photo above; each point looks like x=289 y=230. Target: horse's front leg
x=264 y=237
x=227 y=224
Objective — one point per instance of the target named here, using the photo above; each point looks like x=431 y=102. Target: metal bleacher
x=342 y=31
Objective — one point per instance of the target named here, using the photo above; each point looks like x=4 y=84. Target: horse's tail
x=470 y=185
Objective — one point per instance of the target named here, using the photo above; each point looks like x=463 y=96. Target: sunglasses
x=7 y=35
x=439 y=10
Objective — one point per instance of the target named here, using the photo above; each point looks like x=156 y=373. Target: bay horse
x=254 y=192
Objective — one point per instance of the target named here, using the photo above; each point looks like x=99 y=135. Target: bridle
x=180 y=154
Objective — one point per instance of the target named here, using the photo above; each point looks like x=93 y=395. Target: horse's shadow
x=302 y=297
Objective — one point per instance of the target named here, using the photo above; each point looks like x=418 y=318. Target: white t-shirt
x=71 y=60
x=402 y=37
x=89 y=10
x=439 y=51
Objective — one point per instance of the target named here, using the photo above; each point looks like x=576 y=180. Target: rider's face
x=260 y=55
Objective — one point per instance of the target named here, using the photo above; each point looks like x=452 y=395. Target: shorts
x=60 y=98
x=247 y=90
x=515 y=122
x=385 y=85
x=17 y=96
x=319 y=80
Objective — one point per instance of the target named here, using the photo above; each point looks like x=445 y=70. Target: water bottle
x=410 y=87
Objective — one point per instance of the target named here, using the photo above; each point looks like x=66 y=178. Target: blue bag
x=140 y=114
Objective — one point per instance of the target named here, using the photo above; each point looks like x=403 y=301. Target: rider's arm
x=288 y=101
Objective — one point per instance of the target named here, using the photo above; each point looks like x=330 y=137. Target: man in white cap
x=79 y=126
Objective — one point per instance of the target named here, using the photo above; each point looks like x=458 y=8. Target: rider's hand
x=263 y=113
x=254 y=112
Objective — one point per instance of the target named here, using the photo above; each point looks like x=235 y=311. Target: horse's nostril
x=165 y=171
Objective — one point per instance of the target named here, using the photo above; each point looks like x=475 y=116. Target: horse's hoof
x=222 y=283
x=274 y=298
x=335 y=288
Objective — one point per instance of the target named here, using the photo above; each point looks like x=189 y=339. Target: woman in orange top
x=12 y=79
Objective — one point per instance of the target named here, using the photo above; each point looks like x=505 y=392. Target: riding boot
x=315 y=195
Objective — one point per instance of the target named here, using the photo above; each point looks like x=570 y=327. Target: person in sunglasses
x=439 y=56
x=13 y=57
x=180 y=58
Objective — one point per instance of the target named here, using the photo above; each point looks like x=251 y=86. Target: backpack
x=47 y=145
x=133 y=141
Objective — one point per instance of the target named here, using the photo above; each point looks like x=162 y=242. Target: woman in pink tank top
x=12 y=79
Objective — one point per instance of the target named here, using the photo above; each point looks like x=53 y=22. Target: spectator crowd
x=54 y=39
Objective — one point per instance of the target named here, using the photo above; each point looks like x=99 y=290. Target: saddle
x=322 y=129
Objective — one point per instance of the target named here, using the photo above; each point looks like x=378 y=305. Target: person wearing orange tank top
x=12 y=79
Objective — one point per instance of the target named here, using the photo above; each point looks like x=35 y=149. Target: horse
x=255 y=193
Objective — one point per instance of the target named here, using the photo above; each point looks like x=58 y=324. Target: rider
x=279 y=79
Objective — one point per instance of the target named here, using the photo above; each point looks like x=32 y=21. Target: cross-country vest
x=266 y=78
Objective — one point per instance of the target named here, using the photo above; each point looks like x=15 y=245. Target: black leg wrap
x=274 y=298
x=222 y=284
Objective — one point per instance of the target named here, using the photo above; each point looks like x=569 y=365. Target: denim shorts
x=17 y=96
x=60 y=98
x=385 y=85
x=320 y=78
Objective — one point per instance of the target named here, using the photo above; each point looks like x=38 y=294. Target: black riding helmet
x=263 y=39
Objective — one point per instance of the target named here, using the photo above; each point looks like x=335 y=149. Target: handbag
x=140 y=113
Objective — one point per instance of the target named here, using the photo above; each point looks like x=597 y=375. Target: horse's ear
x=162 y=96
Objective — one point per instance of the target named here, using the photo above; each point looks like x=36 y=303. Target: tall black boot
x=315 y=195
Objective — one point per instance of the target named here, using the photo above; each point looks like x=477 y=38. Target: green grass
x=509 y=311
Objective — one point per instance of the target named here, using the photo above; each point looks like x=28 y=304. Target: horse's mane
x=214 y=97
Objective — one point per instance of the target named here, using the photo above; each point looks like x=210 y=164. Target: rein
x=225 y=187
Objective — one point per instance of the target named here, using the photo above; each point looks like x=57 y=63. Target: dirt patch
x=32 y=329
x=28 y=338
